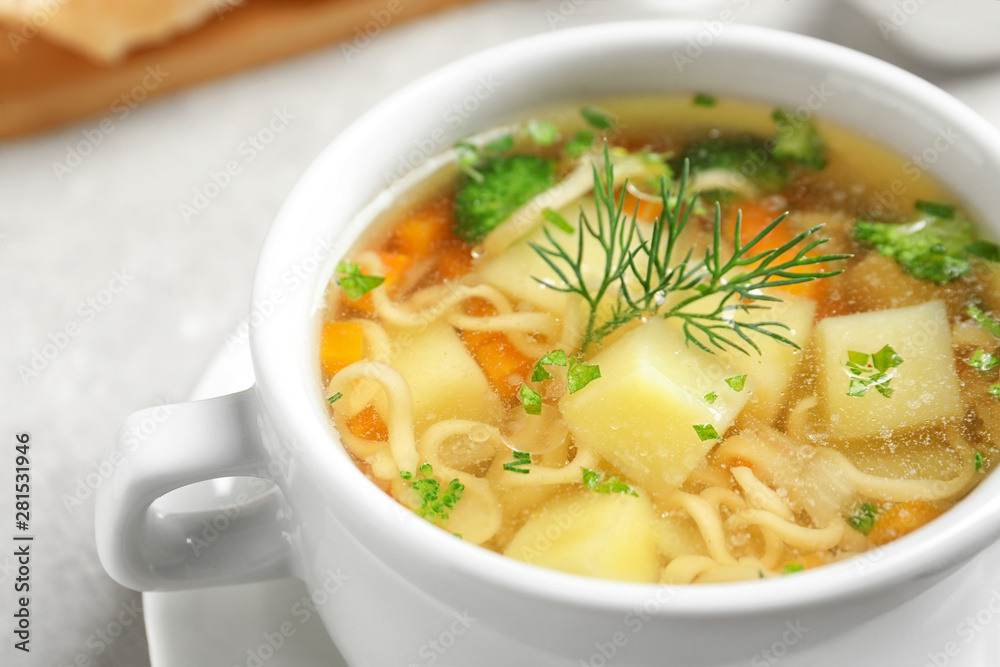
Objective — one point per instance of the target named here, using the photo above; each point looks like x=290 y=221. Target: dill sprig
x=646 y=271
x=611 y=230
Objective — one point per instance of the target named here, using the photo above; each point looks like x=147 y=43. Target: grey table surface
x=118 y=283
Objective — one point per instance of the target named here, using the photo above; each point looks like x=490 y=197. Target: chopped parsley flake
x=863 y=518
x=597 y=118
x=866 y=374
x=336 y=397
x=434 y=503
x=983 y=360
x=530 y=399
x=519 y=464
x=857 y=387
x=994 y=390
x=885 y=359
x=595 y=481
x=580 y=143
x=355 y=283
x=979 y=461
x=542 y=132
x=706 y=432
x=792 y=568
x=581 y=374
x=857 y=358
x=501 y=144
x=930 y=248
x=553 y=358
x=983 y=319
x=703 y=100
x=710 y=397
x=558 y=220
x=945 y=211
x=984 y=250
x=736 y=382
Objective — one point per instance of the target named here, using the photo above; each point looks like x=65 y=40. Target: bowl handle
x=147 y=549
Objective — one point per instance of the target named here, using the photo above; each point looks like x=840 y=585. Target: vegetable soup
x=671 y=339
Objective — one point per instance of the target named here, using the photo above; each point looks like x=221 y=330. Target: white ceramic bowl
x=379 y=571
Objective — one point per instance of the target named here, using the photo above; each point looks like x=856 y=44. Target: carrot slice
x=421 y=233
x=755 y=218
x=368 y=424
x=811 y=561
x=340 y=345
x=455 y=261
x=647 y=211
x=901 y=519
x=504 y=365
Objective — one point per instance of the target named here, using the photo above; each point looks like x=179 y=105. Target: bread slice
x=106 y=30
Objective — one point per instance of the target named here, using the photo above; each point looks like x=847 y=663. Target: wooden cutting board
x=43 y=85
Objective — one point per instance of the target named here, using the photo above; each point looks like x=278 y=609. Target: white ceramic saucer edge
x=251 y=625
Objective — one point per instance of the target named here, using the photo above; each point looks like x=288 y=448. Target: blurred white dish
x=936 y=32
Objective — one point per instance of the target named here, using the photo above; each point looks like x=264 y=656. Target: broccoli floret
x=746 y=156
x=930 y=249
x=506 y=184
x=797 y=140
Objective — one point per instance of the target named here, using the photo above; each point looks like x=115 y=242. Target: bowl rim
x=284 y=385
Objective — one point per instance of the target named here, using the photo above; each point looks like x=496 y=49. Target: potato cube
x=641 y=413
x=604 y=535
x=446 y=382
x=773 y=369
x=925 y=387
x=514 y=271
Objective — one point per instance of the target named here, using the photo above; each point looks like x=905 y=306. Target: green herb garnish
x=863 y=518
x=938 y=210
x=710 y=397
x=501 y=144
x=355 y=283
x=595 y=481
x=581 y=374
x=553 y=358
x=557 y=219
x=530 y=399
x=542 y=132
x=706 y=432
x=736 y=382
x=336 y=397
x=978 y=462
x=703 y=100
x=994 y=390
x=580 y=143
x=983 y=360
x=518 y=465
x=434 y=503
x=865 y=374
x=792 y=568
x=645 y=269
x=885 y=359
x=935 y=247
x=597 y=118
x=984 y=250
x=984 y=320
